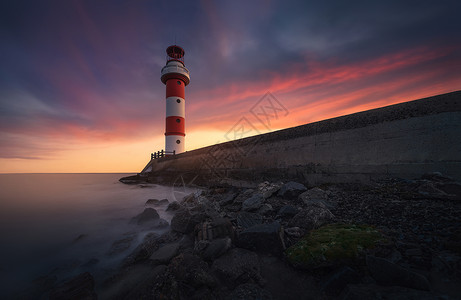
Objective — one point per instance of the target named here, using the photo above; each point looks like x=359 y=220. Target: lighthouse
x=175 y=76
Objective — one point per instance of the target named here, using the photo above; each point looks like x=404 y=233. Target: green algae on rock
x=332 y=244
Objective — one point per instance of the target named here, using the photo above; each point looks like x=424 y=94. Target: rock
x=237 y=266
x=253 y=203
x=191 y=269
x=265 y=209
x=164 y=254
x=388 y=273
x=373 y=291
x=79 y=287
x=228 y=199
x=249 y=291
x=291 y=190
x=247 y=219
x=184 y=222
x=414 y=252
x=173 y=206
x=121 y=245
x=217 y=228
x=265 y=238
x=149 y=215
x=339 y=279
x=210 y=250
x=315 y=196
x=312 y=217
x=156 y=202
x=144 y=250
x=294 y=232
x=268 y=189
x=428 y=190
x=451 y=188
x=447 y=262
x=436 y=176
x=287 y=211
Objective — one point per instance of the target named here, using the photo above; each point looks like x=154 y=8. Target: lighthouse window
x=178 y=142
x=178 y=120
x=179 y=82
x=179 y=101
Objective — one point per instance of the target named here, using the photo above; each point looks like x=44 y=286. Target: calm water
x=42 y=215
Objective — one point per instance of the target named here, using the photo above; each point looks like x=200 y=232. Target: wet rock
x=173 y=206
x=265 y=209
x=291 y=190
x=164 y=254
x=373 y=291
x=312 y=217
x=339 y=279
x=287 y=211
x=249 y=291
x=228 y=199
x=388 y=273
x=210 y=250
x=121 y=245
x=253 y=203
x=149 y=215
x=264 y=238
x=144 y=250
x=247 y=219
x=237 y=266
x=79 y=287
x=156 y=202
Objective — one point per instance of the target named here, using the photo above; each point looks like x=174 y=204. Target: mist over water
x=65 y=224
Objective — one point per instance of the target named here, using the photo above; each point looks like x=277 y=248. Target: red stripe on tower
x=175 y=76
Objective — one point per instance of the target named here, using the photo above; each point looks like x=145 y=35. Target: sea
x=61 y=225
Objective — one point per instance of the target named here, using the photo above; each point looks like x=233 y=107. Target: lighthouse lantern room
x=175 y=76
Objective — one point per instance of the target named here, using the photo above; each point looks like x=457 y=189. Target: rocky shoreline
x=394 y=239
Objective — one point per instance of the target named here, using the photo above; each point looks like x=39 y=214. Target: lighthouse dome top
x=175 y=52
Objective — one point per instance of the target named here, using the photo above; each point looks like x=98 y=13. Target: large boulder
x=388 y=273
x=268 y=189
x=315 y=196
x=164 y=254
x=144 y=250
x=149 y=215
x=287 y=211
x=79 y=287
x=237 y=266
x=217 y=228
x=253 y=203
x=157 y=202
x=173 y=206
x=312 y=217
x=210 y=250
x=291 y=190
x=265 y=238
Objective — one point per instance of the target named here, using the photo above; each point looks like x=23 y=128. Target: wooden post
x=174 y=152
x=151 y=156
x=162 y=152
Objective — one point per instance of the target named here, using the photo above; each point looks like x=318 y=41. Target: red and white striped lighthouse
x=175 y=76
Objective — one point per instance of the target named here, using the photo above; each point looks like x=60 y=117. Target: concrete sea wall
x=404 y=140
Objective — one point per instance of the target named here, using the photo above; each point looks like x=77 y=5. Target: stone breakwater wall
x=403 y=140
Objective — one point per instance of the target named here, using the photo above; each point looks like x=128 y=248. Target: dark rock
x=249 y=291
x=237 y=266
x=388 y=273
x=173 y=206
x=312 y=217
x=90 y=263
x=429 y=190
x=451 y=188
x=294 y=232
x=228 y=199
x=134 y=179
x=121 y=245
x=79 y=287
x=213 y=249
x=217 y=228
x=184 y=222
x=149 y=215
x=265 y=238
x=164 y=254
x=291 y=190
x=265 y=209
x=287 y=211
x=191 y=269
x=315 y=196
x=447 y=262
x=373 y=291
x=268 y=189
x=414 y=252
x=338 y=279
x=156 y=202
x=247 y=219
x=436 y=176
x=144 y=250
x=253 y=203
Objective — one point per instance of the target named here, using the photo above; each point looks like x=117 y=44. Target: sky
x=80 y=87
